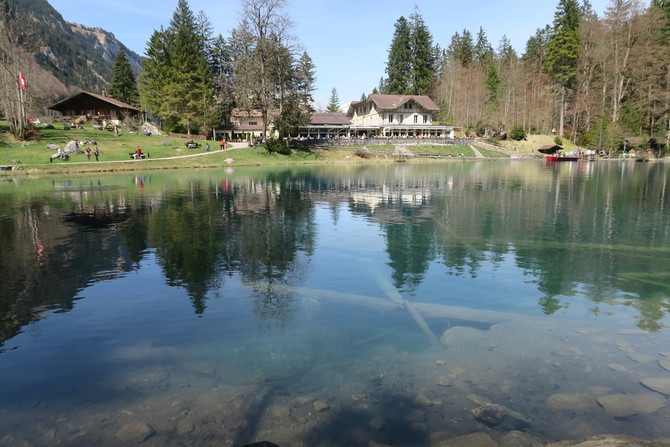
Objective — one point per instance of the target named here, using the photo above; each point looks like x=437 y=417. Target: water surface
x=332 y=306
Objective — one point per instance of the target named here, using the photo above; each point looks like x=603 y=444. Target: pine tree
x=399 y=65
x=305 y=78
x=424 y=60
x=563 y=51
x=334 y=101
x=123 y=86
x=483 y=51
x=177 y=78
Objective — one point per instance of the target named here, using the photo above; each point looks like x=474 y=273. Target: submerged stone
x=640 y=358
x=665 y=364
x=570 y=402
x=320 y=405
x=608 y=441
x=472 y=440
x=624 y=405
x=659 y=385
x=135 y=432
x=500 y=416
x=517 y=438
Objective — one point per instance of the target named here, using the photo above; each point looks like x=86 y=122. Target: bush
x=277 y=145
x=558 y=140
x=518 y=133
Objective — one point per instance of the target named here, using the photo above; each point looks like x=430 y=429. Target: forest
x=594 y=80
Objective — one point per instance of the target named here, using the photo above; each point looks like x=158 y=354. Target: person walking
x=96 y=152
x=88 y=153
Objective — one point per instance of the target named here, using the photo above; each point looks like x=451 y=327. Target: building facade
x=396 y=116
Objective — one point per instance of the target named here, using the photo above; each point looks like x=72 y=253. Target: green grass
x=488 y=153
x=167 y=152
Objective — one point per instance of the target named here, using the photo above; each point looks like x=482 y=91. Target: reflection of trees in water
x=47 y=258
x=566 y=234
x=563 y=231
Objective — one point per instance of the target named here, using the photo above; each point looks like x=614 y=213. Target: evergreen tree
x=492 y=86
x=177 y=78
x=305 y=78
x=423 y=51
x=505 y=52
x=334 y=101
x=563 y=51
x=123 y=86
x=154 y=73
x=461 y=47
x=482 y=50
x=399 y=65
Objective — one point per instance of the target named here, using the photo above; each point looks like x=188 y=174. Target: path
x=477 y=153
x=200 y=154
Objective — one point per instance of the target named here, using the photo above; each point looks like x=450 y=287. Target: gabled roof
x=394 y=102
x=88 y=100
x=322 y=119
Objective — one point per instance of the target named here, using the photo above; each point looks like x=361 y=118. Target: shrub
x=277 y=145
x=558 y=140
x=518 y=133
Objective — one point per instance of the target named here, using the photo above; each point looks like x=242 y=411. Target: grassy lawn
x=170 y=152
x=492 y=154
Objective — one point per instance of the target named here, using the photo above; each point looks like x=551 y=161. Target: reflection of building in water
x=392 y=195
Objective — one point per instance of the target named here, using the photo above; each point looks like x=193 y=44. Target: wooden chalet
x=94 y=107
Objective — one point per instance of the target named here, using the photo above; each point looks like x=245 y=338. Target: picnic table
x=140 y=156
x=192 y=145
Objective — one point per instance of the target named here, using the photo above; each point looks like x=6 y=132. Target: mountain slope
x=80 y=57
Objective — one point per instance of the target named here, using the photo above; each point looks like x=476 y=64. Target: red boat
x=562 y=158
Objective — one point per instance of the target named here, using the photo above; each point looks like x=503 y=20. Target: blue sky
x=347 y=40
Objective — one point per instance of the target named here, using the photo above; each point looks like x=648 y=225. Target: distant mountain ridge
x=81 y=57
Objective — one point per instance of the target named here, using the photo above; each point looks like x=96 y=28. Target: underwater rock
x=472 y=440
x=608 y=441
x=640 y=358
x=443 y=381
x=659 y=385
x=623 y=405
x=185 y=427
x=320 y=405
x=501 y=417
x=422 y=401
x=229 y=161
x=282 y=412
x=570 y=402
x=261 y=444
x=520 y=439
x=665 y=364
x=616 y=367
x=135 y=432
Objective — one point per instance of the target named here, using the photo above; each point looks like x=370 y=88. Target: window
x=416 y=119
x=253 y=123
x=425 y=119
x=408 y=106
x=401 y=118
x=390 y=118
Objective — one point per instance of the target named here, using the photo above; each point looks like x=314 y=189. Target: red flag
x=22 y=82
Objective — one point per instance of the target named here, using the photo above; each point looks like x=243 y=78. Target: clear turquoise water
x=221 y=307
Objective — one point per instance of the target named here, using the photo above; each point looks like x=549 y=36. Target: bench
x=192 y=145
x=136 y=156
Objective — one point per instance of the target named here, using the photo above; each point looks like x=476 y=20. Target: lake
x=357 y=305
